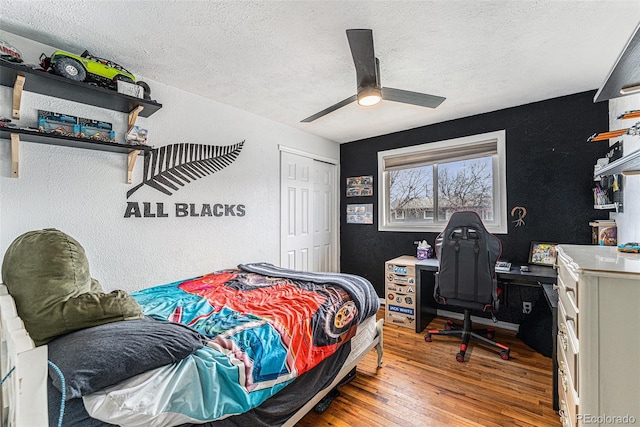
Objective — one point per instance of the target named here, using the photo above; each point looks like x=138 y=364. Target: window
x=421 y=186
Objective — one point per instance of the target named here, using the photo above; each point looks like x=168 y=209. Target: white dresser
x=598 y=336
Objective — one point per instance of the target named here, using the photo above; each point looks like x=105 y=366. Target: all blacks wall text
x=178 y=210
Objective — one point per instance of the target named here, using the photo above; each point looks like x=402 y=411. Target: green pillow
x=47 y=273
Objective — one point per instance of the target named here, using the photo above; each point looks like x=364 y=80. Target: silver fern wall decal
x=170 y=167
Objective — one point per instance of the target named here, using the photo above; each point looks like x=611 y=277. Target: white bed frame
x=24 y=392
x=23 y=395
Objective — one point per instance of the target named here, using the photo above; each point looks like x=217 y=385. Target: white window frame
x=499 y=170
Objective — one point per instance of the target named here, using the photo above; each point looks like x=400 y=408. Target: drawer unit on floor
x=400 y=291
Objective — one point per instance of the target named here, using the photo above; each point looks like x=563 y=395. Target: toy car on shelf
x=632 y=247
x=9 y=53
x=86 y=68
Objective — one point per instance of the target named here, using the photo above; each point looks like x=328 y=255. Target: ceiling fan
x=369 y=91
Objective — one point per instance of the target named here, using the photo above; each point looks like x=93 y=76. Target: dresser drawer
x=568 y=402
x=400 y=299
x=567 y=296
x=401 y=280
x=404 y=289
x=568 y=351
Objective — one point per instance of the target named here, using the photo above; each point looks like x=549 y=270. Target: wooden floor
x=422 y=384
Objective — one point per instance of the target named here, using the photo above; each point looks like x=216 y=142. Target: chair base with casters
x=483 y=336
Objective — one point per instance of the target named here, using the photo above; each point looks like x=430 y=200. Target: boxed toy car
x=137 y=136
x=96 y=129
x=58 y=123
x=130 y=89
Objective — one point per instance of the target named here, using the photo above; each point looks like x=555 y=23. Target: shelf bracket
x=15 y=155
x=133 y=116
x=17 y=96
x=133 y=156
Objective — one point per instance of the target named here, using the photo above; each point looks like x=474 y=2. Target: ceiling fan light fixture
x=369 y=96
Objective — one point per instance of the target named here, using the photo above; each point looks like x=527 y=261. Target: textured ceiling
x=286 y=60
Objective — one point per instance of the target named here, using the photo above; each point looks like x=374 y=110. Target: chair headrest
x=467 y=219
x=468 y=225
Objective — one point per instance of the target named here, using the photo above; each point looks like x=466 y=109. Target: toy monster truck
x=88 y=68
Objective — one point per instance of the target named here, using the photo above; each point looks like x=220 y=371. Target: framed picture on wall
x=360 y=186
x=542 y=253
x=360 y=214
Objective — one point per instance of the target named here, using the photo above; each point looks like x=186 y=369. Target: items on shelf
x=633 y=114
x=607 y=193
x=78 y=127
x=604 y=136
x=58 y=123
x=91 y=69
x=137 y=136
x=631 y=247
x=615 y=151
x=9 y=53
x=604 y=232
x=96 y=130
x=5 y=122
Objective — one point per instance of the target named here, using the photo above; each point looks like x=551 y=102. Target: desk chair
x=467 y=253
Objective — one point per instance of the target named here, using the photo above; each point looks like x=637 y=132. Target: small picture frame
x=360 y=214
x=543 y=253
x=360 y=186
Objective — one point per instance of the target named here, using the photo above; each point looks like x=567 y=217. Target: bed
x=254 y=345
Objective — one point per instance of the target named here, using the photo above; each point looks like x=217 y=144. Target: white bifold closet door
x=309 y=215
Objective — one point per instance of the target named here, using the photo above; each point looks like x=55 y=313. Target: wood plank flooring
x=422 y=384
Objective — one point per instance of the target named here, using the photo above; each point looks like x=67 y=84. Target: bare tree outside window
x=411 y=194
x=465 y=185
x=462 y=185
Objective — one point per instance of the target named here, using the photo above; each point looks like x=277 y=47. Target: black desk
x=425 y=281
x=538 y=275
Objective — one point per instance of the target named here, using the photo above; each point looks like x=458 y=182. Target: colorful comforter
x=265 y=327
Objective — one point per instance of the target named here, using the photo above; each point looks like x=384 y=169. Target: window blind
x=439 y=155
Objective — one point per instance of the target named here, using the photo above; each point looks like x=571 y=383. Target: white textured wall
x=628 y=221
x=83 y=192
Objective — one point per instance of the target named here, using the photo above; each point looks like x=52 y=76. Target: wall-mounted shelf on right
x=606 y=207
x=627 y=165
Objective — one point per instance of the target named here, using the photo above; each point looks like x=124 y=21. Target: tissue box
x=424 y=253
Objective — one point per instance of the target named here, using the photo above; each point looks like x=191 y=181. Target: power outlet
x=526 y=307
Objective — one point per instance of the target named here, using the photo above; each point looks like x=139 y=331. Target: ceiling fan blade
x=364 y=58
x=408 y=97
x=334 y=107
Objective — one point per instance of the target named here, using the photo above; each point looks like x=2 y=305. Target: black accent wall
x=549 y=172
